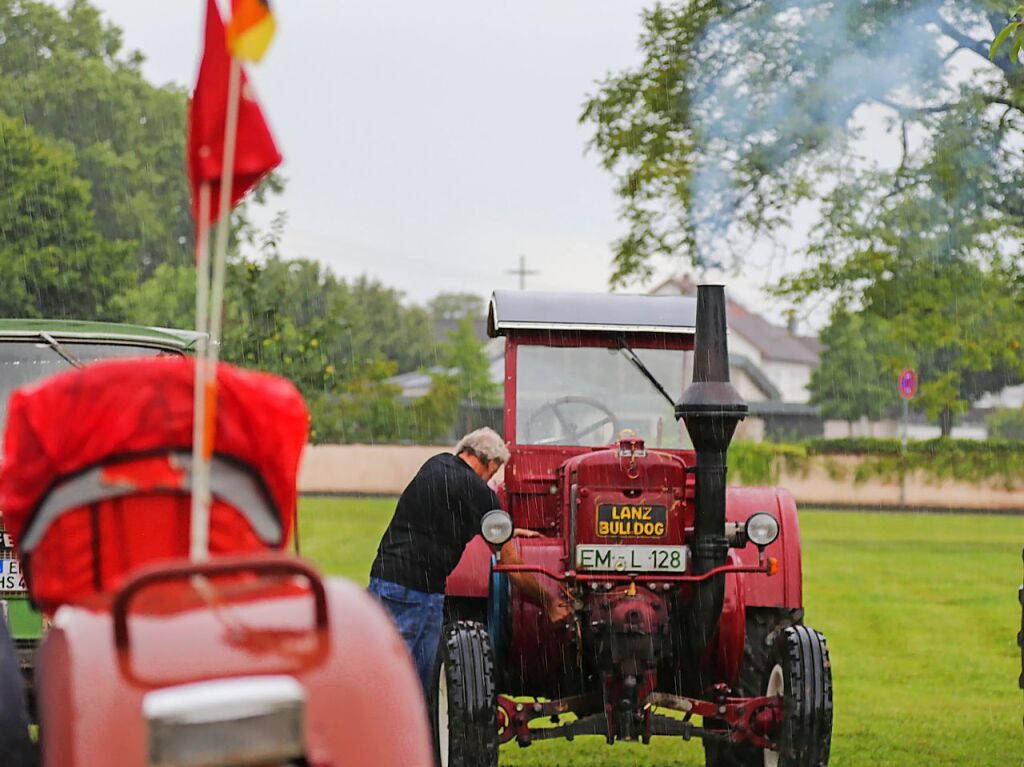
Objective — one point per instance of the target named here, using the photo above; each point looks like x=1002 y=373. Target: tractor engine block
x=627 y=629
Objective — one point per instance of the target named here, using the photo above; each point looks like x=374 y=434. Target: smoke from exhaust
x=761 y=111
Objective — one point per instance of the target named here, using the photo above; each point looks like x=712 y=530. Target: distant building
x=770 y=365
x=769 y=362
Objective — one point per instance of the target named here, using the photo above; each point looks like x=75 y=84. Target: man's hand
x=557 y=609
x=522 y=532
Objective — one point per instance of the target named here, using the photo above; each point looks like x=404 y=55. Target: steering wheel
x=570 y=432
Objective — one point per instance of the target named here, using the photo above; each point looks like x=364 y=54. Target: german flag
x=250 y=30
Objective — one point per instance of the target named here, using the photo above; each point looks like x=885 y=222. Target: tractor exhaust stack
x=711 y=408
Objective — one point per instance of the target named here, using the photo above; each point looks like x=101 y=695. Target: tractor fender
x=471 y=576
x=783 y=589
x=732 y=627
x=91 y=693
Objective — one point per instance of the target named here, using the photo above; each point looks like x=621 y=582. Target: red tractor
x=686 y=593
x=247 y=657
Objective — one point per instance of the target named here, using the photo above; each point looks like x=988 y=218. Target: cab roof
x=99 y=332
x=512 y=310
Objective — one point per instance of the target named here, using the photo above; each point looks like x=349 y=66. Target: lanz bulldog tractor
x=686 y=593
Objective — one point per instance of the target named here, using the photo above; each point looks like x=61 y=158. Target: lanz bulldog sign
x=628 y=520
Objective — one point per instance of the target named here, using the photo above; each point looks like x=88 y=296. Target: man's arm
x=553 y=605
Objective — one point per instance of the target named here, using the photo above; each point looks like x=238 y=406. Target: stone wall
x=361 y=469
x=818 y=485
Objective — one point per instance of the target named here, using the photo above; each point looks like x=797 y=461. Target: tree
x=434 y=414
x=455 y=306
x=465 y=356
x=462 y=377
x=365 y=408
x=852 y=380
x=378 y=324
x=53 y=262
x=1012 y=35
x=338 y=342
x=167 y=299
x=740 y=111
x=957 y=326
x=67 y=76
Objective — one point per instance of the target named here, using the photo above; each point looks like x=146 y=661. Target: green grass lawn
x=921 y=616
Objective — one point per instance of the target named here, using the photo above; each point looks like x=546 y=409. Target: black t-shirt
x=437 y=515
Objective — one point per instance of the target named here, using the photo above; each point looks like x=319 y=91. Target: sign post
x=908 y=388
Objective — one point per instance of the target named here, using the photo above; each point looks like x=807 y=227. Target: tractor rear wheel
x=464 y=700
x=800 y=671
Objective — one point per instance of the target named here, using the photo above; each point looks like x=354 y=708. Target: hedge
x=936 y=460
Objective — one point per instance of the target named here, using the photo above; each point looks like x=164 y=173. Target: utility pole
x=522 y=271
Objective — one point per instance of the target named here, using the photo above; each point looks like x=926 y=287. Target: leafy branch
x=1014 y=32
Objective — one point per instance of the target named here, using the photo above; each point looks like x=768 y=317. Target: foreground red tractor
x=246 y=658
x=686 y=594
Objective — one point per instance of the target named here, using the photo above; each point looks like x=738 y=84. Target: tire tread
x=472 y=699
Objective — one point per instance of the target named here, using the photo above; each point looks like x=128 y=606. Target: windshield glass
x=588 y=396
x=23 y=362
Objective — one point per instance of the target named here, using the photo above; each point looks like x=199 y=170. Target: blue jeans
x=419 y=617
x=15 y=745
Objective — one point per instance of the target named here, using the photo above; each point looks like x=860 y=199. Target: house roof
x=775 y=342
x=444 y=326
x=756 y=375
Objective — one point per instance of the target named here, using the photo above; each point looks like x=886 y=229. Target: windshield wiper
x=638 y=363
x=60 y=349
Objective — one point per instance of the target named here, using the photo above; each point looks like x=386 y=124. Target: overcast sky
x=430 y=144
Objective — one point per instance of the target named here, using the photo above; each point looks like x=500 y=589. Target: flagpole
x=200 y=493
x=223 y=229
x=200 y=526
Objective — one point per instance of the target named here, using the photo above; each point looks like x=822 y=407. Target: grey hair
x=485 y=443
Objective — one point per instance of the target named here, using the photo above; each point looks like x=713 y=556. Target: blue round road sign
x=908 y=383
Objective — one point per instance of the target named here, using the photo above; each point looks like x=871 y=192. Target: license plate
x=11 y=578
x=631 y=559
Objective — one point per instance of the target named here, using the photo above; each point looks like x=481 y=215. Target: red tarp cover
x=111 y=410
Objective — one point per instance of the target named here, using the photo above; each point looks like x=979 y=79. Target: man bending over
x=436 y=516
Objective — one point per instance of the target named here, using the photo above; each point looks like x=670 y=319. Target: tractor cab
x=585 y=375
x=685 y=593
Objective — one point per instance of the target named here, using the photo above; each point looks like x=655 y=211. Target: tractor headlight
x=496 y=527
x=762 y=529
x=238 y=721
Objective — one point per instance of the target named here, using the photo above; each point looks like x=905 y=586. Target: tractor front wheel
x=799 y=670
x=764 y=625
x=796 y=666
x=465 y=701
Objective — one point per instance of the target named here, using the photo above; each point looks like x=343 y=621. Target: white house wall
x=740 y=345
x=745 y=386
x=791 y=378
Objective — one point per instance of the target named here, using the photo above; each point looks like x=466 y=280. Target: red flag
x=256 y=154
